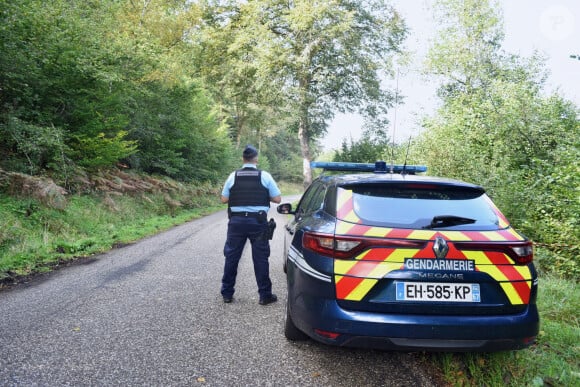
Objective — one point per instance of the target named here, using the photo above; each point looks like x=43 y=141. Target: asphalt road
x=151 y=314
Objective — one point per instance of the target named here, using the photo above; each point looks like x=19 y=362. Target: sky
x=550 y=27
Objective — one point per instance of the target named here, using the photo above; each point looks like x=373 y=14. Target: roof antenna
x=395 y=123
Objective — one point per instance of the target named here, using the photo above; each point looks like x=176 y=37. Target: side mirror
x=285 y=208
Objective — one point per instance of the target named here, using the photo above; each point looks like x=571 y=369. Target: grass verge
x=34 y=238
x=554 y=360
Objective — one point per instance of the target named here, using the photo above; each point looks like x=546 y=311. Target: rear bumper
x=414 y=332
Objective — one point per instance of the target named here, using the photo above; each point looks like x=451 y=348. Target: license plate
x=436 y=291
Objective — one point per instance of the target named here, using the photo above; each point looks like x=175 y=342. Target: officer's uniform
x=248 y=191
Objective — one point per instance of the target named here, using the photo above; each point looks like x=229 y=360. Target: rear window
x=417 y=205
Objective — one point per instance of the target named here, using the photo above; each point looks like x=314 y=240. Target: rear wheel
x=290 y=331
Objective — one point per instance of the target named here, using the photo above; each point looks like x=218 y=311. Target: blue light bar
x=378 y=167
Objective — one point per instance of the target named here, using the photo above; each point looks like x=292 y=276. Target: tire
x=290 y=331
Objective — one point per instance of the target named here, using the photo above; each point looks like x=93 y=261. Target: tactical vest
x=248 y=189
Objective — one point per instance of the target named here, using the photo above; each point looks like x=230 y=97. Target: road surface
x=151 y=314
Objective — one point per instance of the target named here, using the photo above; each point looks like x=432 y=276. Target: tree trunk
x=305 y=148
x=240 y=121
x=304 y=129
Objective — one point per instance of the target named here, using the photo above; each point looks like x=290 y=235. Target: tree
x=314 y=58
x=173 y=117
x=372 y=146
x=496 y=127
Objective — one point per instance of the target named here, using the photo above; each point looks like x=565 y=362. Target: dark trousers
x=241 y=229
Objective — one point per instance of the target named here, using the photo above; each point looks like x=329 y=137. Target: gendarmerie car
x=382 y=257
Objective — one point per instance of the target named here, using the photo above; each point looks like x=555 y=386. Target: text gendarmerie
x=440 y=264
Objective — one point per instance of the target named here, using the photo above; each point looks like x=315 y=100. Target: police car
x=382 y=257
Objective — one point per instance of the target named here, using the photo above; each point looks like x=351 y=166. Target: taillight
x=346 y=247
x=524 y=253
x=336 y=247
x=521 y=253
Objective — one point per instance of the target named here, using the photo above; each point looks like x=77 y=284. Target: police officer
x=248 y=192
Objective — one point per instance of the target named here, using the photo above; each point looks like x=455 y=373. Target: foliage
x=311 y=57
x=92 y=84
x=30 y=148
x=372 y=146
x=248 y=102
x=496 y=128
x=283 y=154
x=101 y=151
x=552 y=360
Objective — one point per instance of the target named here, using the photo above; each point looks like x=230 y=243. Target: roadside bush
x=29 y=148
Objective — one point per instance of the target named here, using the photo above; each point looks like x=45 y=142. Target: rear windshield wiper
x=447 y=221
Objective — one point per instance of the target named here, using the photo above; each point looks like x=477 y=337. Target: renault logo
x=440 y=247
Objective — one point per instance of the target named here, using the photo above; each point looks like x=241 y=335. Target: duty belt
x=248 y=214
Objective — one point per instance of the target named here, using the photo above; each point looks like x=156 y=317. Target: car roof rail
x=377 y=167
